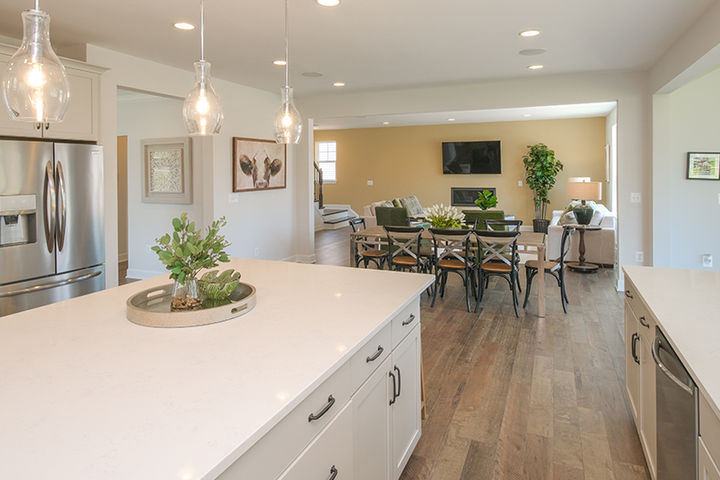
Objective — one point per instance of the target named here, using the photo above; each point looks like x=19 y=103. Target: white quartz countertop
x=686 y=305
x=85 y=394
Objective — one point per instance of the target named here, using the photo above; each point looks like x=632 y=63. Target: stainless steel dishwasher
x=677 y=414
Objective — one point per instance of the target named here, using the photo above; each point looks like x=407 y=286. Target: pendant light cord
x=287 y=49
x=202 y=30
x=37 y=4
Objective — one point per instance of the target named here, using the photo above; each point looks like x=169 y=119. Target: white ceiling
x=372 y=44
x=580 y=110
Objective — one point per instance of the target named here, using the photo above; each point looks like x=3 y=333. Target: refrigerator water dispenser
x=17 y=219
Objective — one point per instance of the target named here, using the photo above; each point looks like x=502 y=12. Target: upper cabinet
x=82 y=120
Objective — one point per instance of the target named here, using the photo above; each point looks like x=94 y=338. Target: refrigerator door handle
x=46 y=286
x=49 y=206
x=62 y=207
x=656 y=356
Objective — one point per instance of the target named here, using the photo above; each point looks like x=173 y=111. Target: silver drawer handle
x=323 y=411
x=46 y=286
x=376 y=355
x=333 y=473
x=409 y=320
x=644 y=322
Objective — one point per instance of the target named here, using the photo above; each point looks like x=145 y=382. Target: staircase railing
x=318 y=189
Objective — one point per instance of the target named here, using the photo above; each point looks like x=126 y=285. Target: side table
x=581 y=265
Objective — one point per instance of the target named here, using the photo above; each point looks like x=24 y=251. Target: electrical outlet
x=257 y=252
x=635 y=198
x=639 y=257
x=232 y=198
x=707 y=260
x=370 y=183
x=519 y=183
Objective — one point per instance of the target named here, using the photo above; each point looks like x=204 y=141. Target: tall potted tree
x=541 y=168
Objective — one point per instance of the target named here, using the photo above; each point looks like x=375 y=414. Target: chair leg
x=435 y=288
x=444 y=282
x=513 y=282
x=466 y=280
x=563 y=293
x=529 y=274
x=481 y=288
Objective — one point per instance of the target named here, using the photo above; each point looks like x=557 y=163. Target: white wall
x=633 y=116
x=686 y=212
x=141 y=119
x=263 y=220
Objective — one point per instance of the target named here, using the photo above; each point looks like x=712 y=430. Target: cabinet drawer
x=370 y=356
x=281 y=445
x=330 y=456
x=405 y=321
x=632 y=297
x=710 y=428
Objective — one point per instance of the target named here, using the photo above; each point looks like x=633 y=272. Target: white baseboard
x=142 y=274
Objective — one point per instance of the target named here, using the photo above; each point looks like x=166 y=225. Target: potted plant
x=541 y=168
x=486 y=199
x=185 y=252
x=444 y=217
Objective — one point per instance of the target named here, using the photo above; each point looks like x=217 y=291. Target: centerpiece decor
x=444 y=217
x=185 y=252
x=486 y=199
x=541 y=169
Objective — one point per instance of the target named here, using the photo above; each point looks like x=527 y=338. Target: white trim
x=143 y=274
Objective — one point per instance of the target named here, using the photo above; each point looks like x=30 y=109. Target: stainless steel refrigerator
x=52 y=239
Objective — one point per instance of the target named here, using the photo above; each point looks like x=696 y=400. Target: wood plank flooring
x=525 y=398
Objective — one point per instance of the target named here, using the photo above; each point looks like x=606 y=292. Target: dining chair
x=556 y=268
x=404 y=248
x=499 y=259
x=366 y=251
x=452 y=255
x=506 y=225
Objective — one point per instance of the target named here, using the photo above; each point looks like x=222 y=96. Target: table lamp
x=584 y=191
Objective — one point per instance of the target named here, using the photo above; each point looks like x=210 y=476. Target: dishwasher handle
x=656 y=356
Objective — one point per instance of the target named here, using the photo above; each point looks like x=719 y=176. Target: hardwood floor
x=522 y=398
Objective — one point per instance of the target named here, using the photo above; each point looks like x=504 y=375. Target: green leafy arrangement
x=219 y=287
x=444 y=217
x=486 y=199
x=186 y=251
x=541 y=168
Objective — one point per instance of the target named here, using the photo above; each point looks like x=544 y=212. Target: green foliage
x=219 y=287
x=185 y=252
x=541 y=168
x=486 y=199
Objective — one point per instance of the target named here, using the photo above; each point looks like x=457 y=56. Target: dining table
x=527 y=242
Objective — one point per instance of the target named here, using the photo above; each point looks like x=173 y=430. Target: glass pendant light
x=202 y=110
x=288 y=122
x=36 y=88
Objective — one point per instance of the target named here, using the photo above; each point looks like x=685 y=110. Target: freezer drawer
x=21 y=296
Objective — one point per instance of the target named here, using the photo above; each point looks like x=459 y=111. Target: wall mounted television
x=471 y=157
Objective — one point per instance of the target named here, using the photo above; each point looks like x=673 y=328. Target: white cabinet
x=648 y=422
x=707 y=468
x=405 y=408
x=632 y=363
x=81 y=120
x=371 y=425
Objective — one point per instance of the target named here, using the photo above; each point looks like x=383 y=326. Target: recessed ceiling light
x=536 y=67
x=184 y=26
x=328 y=3
x=451 y=119
x=527 y=115
x=532 y=51
x=279 y=62
x=312 y=74
x=386 y=123
x=339 y=84
x=529 y=33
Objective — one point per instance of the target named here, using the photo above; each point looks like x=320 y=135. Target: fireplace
x=465 y=197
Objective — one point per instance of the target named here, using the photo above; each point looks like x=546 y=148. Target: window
x=326 y=156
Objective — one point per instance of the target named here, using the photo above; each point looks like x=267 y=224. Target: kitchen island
x=87 y=394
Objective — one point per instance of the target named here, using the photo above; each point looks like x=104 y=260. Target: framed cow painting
x=258 y=164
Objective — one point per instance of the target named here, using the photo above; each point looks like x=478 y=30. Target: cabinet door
x=632 y=363
x=707 y=469
x=81 y=118
x=8 y=126
x=371 y=425
x=648 y=421
x=405 y=410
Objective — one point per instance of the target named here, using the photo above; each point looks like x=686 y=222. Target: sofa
x=599 y=245
x=411 y=205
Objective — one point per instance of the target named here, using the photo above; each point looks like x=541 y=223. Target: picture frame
x=258 y=165
x=166 y=170
x=703 y=165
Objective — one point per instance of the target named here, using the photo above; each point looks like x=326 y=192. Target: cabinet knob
x=644 y=322
x=629 y=294
x=38 y=126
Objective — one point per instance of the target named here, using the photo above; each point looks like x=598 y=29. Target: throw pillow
x=597 y=217
x=397 y=203
x=412 y=205
x=568 y=218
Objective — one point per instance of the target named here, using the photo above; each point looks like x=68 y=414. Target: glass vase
x=185 y=296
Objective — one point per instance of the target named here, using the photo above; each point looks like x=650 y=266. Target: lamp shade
x=585 y=190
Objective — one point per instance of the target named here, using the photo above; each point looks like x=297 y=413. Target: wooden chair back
x=497 y=246
x=404 y=241
x=451 y=244
x=504 y=225
x=355 y=224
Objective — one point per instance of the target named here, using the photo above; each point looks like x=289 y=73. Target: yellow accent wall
x=402 y=161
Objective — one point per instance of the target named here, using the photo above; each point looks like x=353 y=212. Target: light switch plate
x=370 y=183
x=707 y=260
x=519 y=183
x=635 y=197
x=232 y=198
x=639 y=257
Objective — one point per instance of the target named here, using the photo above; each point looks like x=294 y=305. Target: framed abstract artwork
x=703 y=165
x=258 y=164
x=167 y=170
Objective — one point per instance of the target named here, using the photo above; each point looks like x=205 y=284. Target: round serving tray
x=151 y=308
